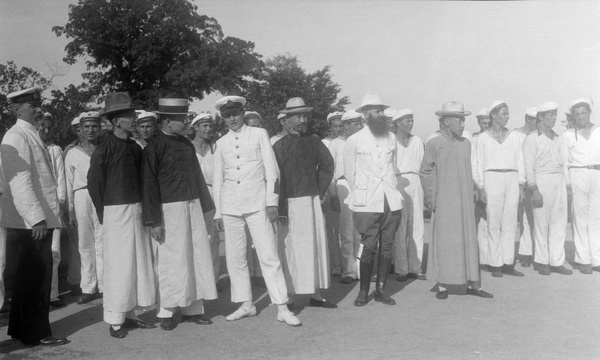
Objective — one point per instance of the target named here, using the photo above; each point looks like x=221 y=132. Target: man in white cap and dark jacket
x=29 y=207
x=114 y=183
x=306 y=169
x=370 y=169
x=246 y=190
x=175 y=199
x=582 y=159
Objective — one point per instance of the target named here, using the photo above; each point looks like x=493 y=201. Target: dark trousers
x=377 y=228
x=30 y=302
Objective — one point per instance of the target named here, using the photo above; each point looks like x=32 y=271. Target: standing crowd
x=147 y=204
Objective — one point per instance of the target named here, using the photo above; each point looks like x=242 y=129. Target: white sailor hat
x=26 y=95
x=47 y=114
x=389 y=112
x=583 y=101
x=531 y=112
x=75 y=121
x=334 y=115
x=496 y=104
x=249 y=114
x=281 y=116
x=483 y=114
x=230 y=102
x=352 y=115
x=403 y=113
x=89 y=116
x=547 y=106
x=146 y=116
x=201 y=118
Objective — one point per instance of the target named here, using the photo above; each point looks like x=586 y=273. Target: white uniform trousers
x=90 y=242
x=550 y=220
x=130 y=283
x=585 y=184
x=408 y=244
x=483 y=234
x=502 y=189
x=185 y=269
x=3 y=236
x=55 y=262
x=251 y=256
x=525 y=227
x=333 y=229
x=265 y=243
x=349 y=237
x=214 y=241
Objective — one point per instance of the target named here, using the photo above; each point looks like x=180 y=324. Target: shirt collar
x=26 y=125
x=241 y=129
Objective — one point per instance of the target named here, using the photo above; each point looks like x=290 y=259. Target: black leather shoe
x=57 y=303
x=510 y=270
x=526 y=261
x=347 y=280
x=401 y=278
x=322 y=303
x=382 y=297
x=480 y=293
x=362 y=299
x=86 y=298
x=544 y=269
x=119 y=334
x=596 y=268
x=442 y=295
x=561 y=270
x=53 y=341
x=167 y=324
x=484 y=267
x=197 y=319
x=497 y=273
x=137 y=324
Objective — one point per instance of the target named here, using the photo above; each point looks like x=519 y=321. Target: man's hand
x=273 y=214
x=72 y=220
x=537 y=200
x=219 y=224
x=157 y=232
x=483 y=196
x=476 y=196
x=334 y=204
x=569 y=194
x=521 y=193
x=283 y=220
x=39 y=230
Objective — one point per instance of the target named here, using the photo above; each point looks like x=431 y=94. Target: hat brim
x=114 y=111
x=441 y=113
x=302 y=110
x=170 y=113
x=364 y=108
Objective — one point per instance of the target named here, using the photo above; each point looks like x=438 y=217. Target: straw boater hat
x=453 y=108
x=295 y=106
x=173 y=106
x=250 y=114
x=146 y=116
x=496 y=104
x=351 y=115
x=117 y=102
x=546 y=107
x=26 y=95
x=483 y=114
x=402 y=114
x=202 y=118
x=579 y=102
x=230 y=102
x=531 y=112
x=334 y=115
x=371 y=100
x=89 y=116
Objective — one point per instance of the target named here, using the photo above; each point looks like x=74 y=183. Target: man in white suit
x=30 y=207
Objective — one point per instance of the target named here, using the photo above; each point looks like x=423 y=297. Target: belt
x=502 y=170
x=410 y=172
x=592 y=167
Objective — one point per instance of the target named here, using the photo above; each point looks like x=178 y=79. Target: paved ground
x=534 y=317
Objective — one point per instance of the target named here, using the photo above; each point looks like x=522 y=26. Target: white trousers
x=90 y=243
x=55 y=262
x=551 y=220
x=525 y=227
x=408 y=242
x=349 y=237
x=483 y=234
x=214 y=241
x=334 y=230
x=251 y=256
x=585 y=184
x=502 y=204
x=265 y=243
x=2 y=262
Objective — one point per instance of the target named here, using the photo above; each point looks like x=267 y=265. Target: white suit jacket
x=30 y=193
x=246 y=175
x=370 y=169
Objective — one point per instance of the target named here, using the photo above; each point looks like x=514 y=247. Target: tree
x=156 y=48
x=13 y=78
x=282 y=78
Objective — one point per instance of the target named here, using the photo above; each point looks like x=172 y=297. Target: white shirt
x=491 y=155
x=410 y=157
x=77 y=164
x=542 y=155
x=246 y=175
x=370 y=169
x=580 y=151
x=58 y=169
x=274 y=138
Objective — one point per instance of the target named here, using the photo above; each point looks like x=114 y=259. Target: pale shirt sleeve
x=529 y=150
x=16 y=157
x=59 y=168
x=350 y=162
x=337 y=152
x=474 y=160
x=565 y=153
x=218 y=181
x=69 y=177
x=480 y=163
x=520 y=165
x=395 y=159
x=271 y=170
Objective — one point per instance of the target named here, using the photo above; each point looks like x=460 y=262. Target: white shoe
x=288 y=317
x=240 y=313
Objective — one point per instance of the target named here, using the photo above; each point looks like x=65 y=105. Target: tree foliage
x=283 y=78
x=156 y=48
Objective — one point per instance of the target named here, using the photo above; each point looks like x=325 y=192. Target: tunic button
x=237 y=146
x=238 y=168
x=238 y=182
x=236 y=138
x=238 y=156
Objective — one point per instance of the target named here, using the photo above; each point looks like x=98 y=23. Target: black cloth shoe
x=347 y=280
x=86 y=298
x=484 y=267
x=495 y=270
x=362 y=299
x=196 y=319
x=480 y=293
x=57 y=303
x=543 y=269
x=119 y=334
x=167 y=324
x=526 y=261
x=54 y=341
x=401 y=278
x=322 y=304
x=383 y=297
x=561 y=270
x=510 y=270
x=596 y=268
x=585 y=269
x=442 y=295
x=137 y=324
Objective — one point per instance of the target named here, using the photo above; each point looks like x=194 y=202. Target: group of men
x=148 y=211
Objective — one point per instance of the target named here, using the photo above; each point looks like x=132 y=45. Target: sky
x=414 y=54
